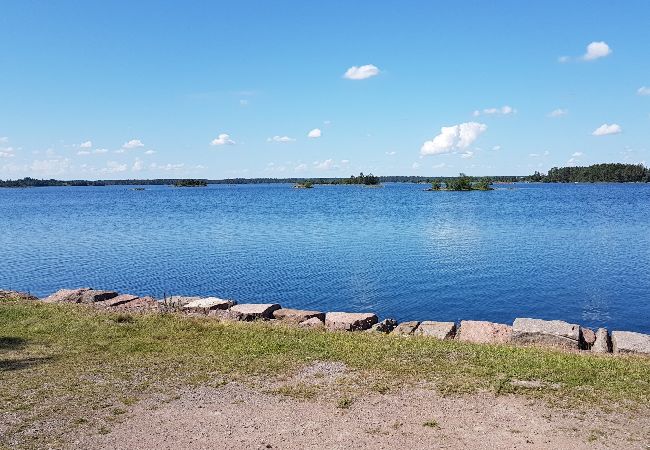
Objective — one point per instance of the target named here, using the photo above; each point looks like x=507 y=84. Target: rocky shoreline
x=525 y=331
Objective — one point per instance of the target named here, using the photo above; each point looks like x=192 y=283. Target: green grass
x=62 y=362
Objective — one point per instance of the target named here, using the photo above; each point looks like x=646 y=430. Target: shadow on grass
x=11 y=343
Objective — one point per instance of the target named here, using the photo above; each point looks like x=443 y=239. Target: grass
x=62 y=362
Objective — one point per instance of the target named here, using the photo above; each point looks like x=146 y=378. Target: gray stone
x=630 y=342
x=587 y=338
x=15 y=295
x=385 y=326
x=405 y=328
x=297 y=315
x=179 y=301
x=82 y=295
x=139 y=304
x=255 y=311
x=208 y=304
x=484 y=332
x=602 y=344
x=313 y=322
x=546 y=332
x=116 y=301
x=345 y=321
x=440 y=330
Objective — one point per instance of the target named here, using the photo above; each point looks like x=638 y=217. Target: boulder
x=602 y=344
x=116 y=301
x=440 y=330
x=405 y=328
x=255 y=311
x=139 y=304
x=178 y=301
x=314 y=322
x=385 y=326
x=587 y=338
x=297 y=315
x=546 y=332
x=484 y=332
x=83 y=295
x=208 y=304
x=345 y=321
x=630 y=342
x=15 y=295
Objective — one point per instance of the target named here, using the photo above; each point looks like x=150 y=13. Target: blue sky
x=233 y=89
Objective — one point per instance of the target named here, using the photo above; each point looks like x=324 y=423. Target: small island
x=304 y=185
x=190 y=183
x=462 y=183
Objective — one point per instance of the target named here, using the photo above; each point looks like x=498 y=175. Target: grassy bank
x=64 y=367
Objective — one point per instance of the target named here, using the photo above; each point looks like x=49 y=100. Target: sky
x=223 y=89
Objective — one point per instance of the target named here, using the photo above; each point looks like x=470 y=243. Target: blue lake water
x=578 y=252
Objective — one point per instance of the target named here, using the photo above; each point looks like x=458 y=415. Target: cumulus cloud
x=114 y=166
x=361 y=72
x=577 y=154
x=454 y=138
x=167 y=167
x=391 y=153
x=503 y=111
x=6 y=152
x=415 y=165
x=280 y=139
x=83 y=152
x=327 y=164
x=4 y=139
x=149 y=152
x=133 y=143
x=559 y=112
x=138 y=165
x=643 y=90
x=100 y=150
x=87 y=144
x=496 y=147
x=300 y=167
x=606 y=129
x=315 y=133
x=596 y=50
x=222 y=139
x=50 y=167
x=539 y=155
x=467 y=154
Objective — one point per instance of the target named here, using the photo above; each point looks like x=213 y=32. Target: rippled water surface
x=574 y=252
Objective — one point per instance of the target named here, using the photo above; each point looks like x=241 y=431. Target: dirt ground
x=237 y=416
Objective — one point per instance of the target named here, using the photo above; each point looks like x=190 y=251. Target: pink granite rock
x=297 y=315
x=345 y=321
x=484 y=332
x=82 y=295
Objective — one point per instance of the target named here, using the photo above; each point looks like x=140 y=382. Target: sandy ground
x=237 y=416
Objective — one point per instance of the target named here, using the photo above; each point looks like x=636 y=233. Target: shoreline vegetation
x=462 y=183
x=597 y=173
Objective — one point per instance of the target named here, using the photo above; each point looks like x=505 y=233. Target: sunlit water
x=579 y=253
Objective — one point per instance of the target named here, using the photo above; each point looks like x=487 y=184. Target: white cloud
x=167 y=167
x=596 y=50
x=564 y=59
x=503 y=111
x=50 y=167
x=315 y=133
x=559 y=112
x=280 y=139
x=100 y=150
x=538 y=155
x=467 y=154
x=391 y=153
x=606 y=129
x=133 y=143
x=577 y=154
x=643 y=90
x=138 y=165
x=7 y=152
x=362 y=72
x=415 y=165
x=87 y=144
x=456 y=137
x=439 y=166
x=328 y=164
x=83 y=152
x=114 y=166
x=222 y=139
x=4 y=139
x=149 y=152
x=300 y=167
x=496 y=148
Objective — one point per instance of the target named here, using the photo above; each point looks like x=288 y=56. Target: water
x=579 y=253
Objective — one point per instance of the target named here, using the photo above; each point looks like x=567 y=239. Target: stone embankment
x=553 y=333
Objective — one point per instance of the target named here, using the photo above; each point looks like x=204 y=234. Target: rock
x=630 y=342
x=546 y=332
x=15 y=295
x=385 y=326
x=297 y=315
x=139 y=304
x=255 y=311
x=602 y=344
x=178 y=301
x=226 y=314
x=314 y=322
x=440 y=330
x=587 y=338
x=83 y=295
x=345 y=321
x=484 y=332
x=405 y=328
x=208 y=304
x=116 y=301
